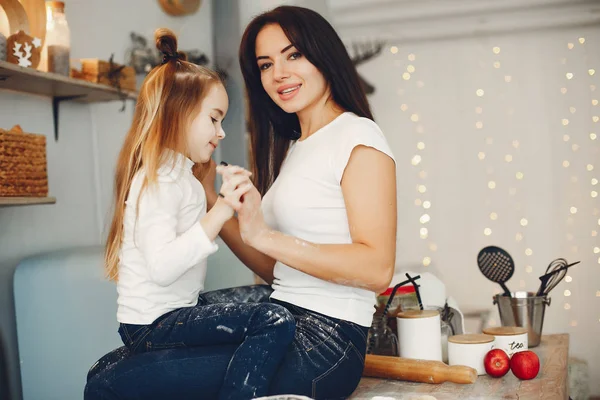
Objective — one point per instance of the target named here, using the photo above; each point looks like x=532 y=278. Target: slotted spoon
x=496 y=265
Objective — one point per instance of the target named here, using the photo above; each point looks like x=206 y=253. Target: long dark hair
x=271 y=128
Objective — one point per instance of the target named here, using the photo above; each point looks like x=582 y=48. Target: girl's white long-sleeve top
x=163 y=256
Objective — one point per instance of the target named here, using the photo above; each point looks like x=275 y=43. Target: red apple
x=525 y=365
x=496 y=363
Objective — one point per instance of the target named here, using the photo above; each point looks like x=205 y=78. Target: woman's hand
x=253 y=227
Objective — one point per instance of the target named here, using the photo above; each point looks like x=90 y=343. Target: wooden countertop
x=551 y=383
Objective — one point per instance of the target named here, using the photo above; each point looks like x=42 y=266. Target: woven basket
x=23 y=171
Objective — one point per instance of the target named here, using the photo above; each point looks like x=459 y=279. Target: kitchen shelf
x=25 y=201
x=32 y=81
x=60 y=88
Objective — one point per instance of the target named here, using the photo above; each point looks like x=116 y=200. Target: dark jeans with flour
x=324 y=361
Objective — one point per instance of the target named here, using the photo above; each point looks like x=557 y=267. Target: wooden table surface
x=551 y=383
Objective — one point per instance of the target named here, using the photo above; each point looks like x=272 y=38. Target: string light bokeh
x=498 y=145
x=578 y=77
x=417 y=161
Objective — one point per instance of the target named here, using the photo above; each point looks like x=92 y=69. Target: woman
x=325 y=233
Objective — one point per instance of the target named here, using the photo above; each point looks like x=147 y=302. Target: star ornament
x=36 y=42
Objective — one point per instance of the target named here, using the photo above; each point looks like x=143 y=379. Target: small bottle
x=2 y=47
x=58 y=38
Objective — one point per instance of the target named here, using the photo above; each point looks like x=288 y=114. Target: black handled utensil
x=555 y=273
x=395 y=289
x=496 y=265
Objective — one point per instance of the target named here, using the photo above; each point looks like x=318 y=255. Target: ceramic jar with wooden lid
x=419 y=334
x=469 y=350
x=511 y=339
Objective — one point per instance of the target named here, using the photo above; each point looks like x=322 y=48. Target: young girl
x=161 y=233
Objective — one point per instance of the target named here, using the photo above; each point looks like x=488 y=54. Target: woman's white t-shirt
x=306 y=202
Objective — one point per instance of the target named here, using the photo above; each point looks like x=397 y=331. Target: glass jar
x=404 y=299
x=381 y=340
x=383 y=335
x=58 y=39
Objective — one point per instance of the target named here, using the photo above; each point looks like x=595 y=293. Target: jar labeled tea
x=511 y=339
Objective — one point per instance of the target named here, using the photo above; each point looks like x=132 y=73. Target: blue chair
x=65 y=313
x=66 y=320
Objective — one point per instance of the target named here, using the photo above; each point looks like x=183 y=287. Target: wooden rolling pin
x=424 y=371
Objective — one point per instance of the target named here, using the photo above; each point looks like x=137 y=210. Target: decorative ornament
x=180 y=8
x=22 y=50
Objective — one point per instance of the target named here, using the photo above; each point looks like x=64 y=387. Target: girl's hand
x=226 y=202
x=236 y=182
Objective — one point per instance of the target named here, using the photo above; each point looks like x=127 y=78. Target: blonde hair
x=168 y=101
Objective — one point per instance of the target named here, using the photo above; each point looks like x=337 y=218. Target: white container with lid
x=419 y=334
x=511 y=339
x=469 y=350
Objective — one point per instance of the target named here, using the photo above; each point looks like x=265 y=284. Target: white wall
x=80 y=164
x=434 y=115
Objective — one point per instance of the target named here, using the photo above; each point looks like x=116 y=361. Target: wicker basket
x=23 y=171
